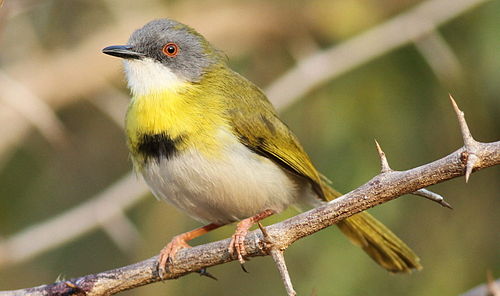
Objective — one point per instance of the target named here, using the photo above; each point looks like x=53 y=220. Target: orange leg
x=180 y=242
x=237 y=240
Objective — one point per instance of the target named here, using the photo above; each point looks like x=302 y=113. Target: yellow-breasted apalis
x=209 y=142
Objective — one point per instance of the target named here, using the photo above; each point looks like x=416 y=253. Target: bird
x=209 y=142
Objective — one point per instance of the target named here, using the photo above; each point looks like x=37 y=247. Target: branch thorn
x=264 y=230
x=471 y=159
x=383 y=159
x=472 y=162
x=433 y=196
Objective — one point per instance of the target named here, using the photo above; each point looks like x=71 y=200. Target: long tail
x=377 y=240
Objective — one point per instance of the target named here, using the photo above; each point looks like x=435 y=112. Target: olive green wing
x=259 y=128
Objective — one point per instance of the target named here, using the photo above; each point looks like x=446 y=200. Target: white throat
x=148 y=76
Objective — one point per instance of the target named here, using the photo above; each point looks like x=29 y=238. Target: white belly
x=222 y=190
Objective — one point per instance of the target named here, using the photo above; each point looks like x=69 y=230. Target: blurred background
x=70 y=205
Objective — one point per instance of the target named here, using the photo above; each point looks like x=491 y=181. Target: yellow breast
x=189 y=115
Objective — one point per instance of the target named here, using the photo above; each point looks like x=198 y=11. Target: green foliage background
x=397 y=99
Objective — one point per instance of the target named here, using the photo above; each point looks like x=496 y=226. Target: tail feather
x=380 y=243
x=377 y=241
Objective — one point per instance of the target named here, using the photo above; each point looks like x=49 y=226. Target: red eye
x=170 y=49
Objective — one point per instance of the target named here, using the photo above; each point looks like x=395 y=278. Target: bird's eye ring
x=170 y=49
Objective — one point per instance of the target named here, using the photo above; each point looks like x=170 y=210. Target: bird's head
x=165 y=55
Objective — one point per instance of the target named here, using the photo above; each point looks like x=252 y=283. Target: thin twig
x=279 y=260
x=380 y=189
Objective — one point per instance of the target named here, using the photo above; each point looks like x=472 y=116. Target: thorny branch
x=384 y=164
x=386 y=186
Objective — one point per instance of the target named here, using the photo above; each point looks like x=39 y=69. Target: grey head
x=181 y=49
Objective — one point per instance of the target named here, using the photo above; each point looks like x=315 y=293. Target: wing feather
x=258 y=127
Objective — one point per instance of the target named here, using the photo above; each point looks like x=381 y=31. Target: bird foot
x=177 y=243
x=237 y=244
x=168 y=253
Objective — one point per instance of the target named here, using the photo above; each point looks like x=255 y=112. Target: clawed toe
x=168 y=253
x=237 y=245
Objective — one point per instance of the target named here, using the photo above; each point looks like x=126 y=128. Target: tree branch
x=386 y=186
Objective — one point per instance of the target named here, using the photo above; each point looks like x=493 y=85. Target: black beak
x=122 y=51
